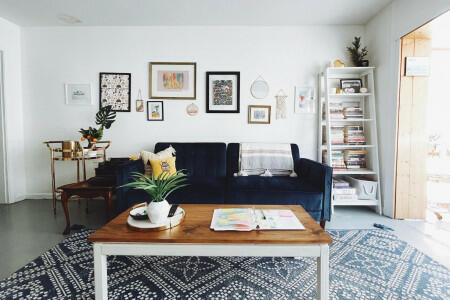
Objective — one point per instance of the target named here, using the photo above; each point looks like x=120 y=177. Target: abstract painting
x=155 y=111
x=222 y=92
x=172 y=80
x=115 y=90
x=304 y=100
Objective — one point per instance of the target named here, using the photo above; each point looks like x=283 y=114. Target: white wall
x=284 y=56
x=383 y=35
x=10 y=44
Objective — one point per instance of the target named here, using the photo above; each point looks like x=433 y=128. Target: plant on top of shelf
x=104 y=117
x=356 y=54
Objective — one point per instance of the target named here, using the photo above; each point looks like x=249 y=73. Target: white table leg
x=100 y=272
x=323 y=275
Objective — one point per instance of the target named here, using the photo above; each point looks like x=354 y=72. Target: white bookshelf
x=329 y=79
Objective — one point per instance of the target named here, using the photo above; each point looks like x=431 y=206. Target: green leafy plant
x=356 y=54
x=158 y=188
x=104 y=117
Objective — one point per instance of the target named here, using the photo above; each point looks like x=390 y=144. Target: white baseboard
x=39 y=196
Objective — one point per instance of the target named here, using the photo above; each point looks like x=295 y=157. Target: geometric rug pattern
x=364 y=264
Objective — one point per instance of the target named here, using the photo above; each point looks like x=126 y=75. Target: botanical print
x=222 y=92
x=115 y=91
x=173 y=80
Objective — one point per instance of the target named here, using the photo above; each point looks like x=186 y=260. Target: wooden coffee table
x=194 y=237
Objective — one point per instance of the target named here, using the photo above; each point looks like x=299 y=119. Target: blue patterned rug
x=365 y=264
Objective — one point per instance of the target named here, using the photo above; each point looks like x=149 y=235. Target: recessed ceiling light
x=68 y=19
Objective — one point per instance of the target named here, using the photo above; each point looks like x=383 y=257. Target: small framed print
x=417 y=66
x=155 y=111
x=139 y=105
x=259 y=114
x=222 y=92
x=115 y=90
x=173 y=80
x=351 y=86
x=78 y=93
x=304 y=100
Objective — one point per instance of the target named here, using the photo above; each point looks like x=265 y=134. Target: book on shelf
x=355 y=159
x=354 y=135
x=345 y=197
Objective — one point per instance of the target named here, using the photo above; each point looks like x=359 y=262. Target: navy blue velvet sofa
x=210 y=168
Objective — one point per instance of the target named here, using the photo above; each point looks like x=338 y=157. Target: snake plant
x=160 y=187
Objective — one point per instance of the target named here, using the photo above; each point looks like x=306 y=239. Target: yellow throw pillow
x=165 y=165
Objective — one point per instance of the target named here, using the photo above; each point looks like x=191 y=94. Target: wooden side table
x=85 y=190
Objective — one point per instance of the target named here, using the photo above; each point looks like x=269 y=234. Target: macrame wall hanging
x=281 y=104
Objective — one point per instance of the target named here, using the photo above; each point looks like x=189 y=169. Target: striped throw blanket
x=265 y=159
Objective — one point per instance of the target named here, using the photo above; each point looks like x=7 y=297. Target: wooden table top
x=195 y=229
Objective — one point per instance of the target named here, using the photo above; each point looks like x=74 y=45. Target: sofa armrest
x=319 y=175
x=123 y=176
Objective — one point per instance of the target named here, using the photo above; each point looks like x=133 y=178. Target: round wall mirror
x=259 y=89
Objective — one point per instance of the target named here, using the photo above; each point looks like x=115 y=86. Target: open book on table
x=247 y=219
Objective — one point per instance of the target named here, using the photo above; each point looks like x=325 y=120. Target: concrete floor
x=29 y=228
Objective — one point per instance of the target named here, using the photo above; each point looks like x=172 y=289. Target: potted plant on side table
x=159 y=189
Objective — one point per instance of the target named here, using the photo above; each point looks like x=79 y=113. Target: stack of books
x=354 y=135
x=337 y=135
x=353 y=113
x=342 y=191
x=337 y=160
x=336 y=111
x=355 y=159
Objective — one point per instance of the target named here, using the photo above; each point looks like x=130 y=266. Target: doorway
x=3 y=177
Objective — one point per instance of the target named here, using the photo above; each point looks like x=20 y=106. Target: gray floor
x=29 y=228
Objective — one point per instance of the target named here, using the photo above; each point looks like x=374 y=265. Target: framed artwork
x=304 y=100
x=79 y=93
x=417 y=66
x=351 y=86
x=222 y=92
x=115 y=90
x=172 y=80
x=259 y=114
x=155 y=111
x=139 y=105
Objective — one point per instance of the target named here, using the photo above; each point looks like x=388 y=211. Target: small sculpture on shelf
x=104 y=117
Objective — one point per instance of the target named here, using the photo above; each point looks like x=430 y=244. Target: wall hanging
x=139 y=102
x=192 y=109
x=281 y=104
x=222 y=92
x=78 y=93
x=155 y=111
x=173 y=80
x=259 y=114
x=259 y=88
x=304 y=100
x=115 y=91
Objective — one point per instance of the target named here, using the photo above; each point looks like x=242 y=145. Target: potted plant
x=356 y=54
x=159 y=189
x=104 y=117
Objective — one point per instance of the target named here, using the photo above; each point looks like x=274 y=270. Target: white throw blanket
x=265 y=159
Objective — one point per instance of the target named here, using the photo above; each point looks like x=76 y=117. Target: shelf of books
x=347 y=131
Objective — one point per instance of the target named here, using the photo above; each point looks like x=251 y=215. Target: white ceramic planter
x=158 y=211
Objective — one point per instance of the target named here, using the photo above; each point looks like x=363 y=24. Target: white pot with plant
x=159 y=189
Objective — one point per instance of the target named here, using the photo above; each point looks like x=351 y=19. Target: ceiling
x=189 y=12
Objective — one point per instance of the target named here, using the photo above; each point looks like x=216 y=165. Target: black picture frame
x=148 y=111
x=238 y=88
x=100 y=102
x=351 y=83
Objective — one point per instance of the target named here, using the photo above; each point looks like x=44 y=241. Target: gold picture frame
x=172 y=82
x=265 y=120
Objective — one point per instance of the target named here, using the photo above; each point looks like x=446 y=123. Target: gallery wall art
x=304 y=100
x=155 y=111
x=259 y=114
x=78 y=93
x=173 y=80
x=222 y=92
x=115 y=90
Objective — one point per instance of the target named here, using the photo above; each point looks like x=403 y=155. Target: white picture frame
x=304 y=100
x=78 y=93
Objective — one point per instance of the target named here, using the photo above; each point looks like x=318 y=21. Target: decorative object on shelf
x=192 y=109
x=139 y=102
x=159 y=189
x=115 y=91
x=363 y=90
x=356 y=54
x=79 y=93
x=259 y=88
x=222 y=92
x=281 y=104
x=417 y=66
x=155 y=111
x=173 y=80
x=338 y=64
x=364 y=63
x=104 y=117
x=259 y=114
x=304 y=100
x=351 y=86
